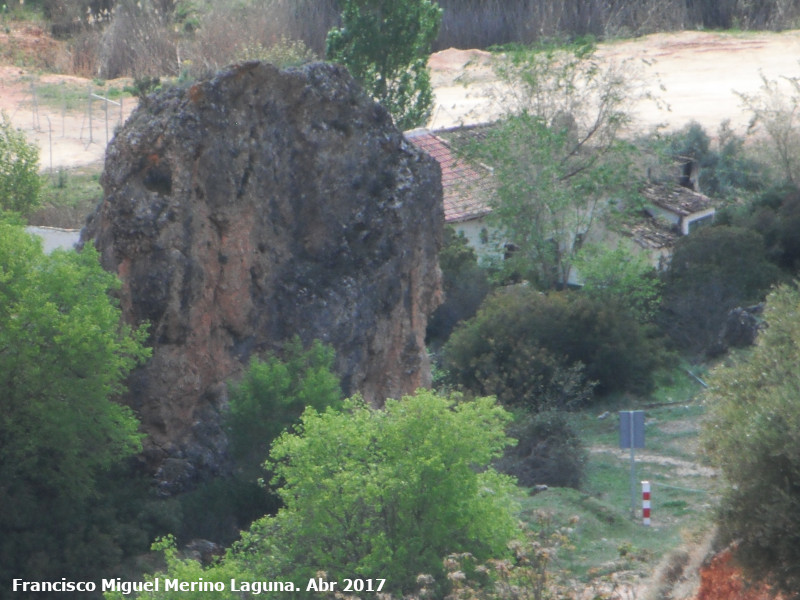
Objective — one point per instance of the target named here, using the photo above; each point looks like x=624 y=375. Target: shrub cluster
x=464 y=283
x=711 y=272
x=539 y=350
x=754 y=436
x=548 y=451
x=376 y=491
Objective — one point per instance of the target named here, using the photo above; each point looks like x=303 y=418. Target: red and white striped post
x=646 y=503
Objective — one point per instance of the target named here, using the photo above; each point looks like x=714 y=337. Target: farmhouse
x=466 y=186
x=678 y=206
x=671 y=209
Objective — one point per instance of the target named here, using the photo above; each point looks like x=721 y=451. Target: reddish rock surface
x=252 y=207
x=722 y=579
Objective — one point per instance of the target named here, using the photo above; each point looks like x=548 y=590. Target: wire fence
x=71 y=126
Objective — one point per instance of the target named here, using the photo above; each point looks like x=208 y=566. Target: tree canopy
x=385 y=45
x=376 y=493
x=393 y=491
x=64 y=353
x=19 y=170
x=753 y=435
x=271 y=397
x=558 y=156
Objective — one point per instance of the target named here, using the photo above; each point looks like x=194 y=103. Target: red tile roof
x=465 y=187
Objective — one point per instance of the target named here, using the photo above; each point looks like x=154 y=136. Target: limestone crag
x=252 y=207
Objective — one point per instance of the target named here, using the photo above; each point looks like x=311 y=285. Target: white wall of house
x=479 y=236
x=688 y=223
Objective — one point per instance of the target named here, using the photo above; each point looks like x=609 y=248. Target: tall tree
x=63 y=354
x=557 y=156
x=385 y=44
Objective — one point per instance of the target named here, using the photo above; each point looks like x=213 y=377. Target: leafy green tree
x=392 y=491
x=267 y=400
x=465 y=285
x=19 y=170
x=753 y=435
x=558 y=157
x=385 y=45
x=374 y=493
x=272 y=395
x=621 y=275
x=64 y=353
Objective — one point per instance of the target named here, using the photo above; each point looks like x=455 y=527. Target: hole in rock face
x=158 y=178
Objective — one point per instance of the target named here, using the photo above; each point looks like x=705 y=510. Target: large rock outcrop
x=252 y=207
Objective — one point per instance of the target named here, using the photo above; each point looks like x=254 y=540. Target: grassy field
x=68 y=196
x=72 y=96
x=607 y=543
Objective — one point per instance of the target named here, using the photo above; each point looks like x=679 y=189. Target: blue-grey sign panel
x=631 y=429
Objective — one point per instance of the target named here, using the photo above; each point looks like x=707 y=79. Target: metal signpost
x=631 y=435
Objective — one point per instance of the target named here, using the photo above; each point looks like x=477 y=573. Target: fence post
x=63 y=109
x=91 y=138
x=35 y=107
x=50 y=137
x=106 y=107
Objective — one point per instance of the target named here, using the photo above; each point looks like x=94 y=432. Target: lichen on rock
x=253 y=207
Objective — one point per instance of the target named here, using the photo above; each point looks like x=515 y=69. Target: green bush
x=272 y=395
x=548 y=451
x=373 y=493
x=775 y=214
x=19 y=170
x=753 y=434
x=622 y=276
x=541 y=350
x=711 y=272
x=392 y=491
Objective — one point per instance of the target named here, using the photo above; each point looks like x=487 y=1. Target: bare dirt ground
x=700 y=73
x=66 y=139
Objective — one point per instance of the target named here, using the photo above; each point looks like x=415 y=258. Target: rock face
x=252 y=207
x=739 y=330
